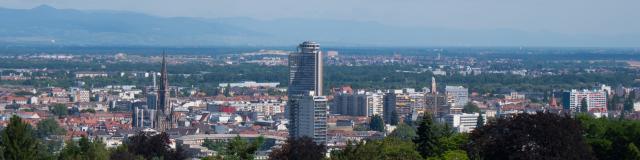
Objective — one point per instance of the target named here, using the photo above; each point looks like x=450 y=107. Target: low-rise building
x=464 y=122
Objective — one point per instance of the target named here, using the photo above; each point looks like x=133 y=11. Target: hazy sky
x=592 y=17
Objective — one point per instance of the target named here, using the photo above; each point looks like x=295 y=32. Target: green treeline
x=371 y=76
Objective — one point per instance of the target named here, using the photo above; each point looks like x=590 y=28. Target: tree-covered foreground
x=524 y=136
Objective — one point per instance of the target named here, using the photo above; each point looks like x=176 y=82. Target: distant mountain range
x=45 y=25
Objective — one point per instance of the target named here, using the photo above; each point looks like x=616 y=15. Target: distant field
x=634 y=64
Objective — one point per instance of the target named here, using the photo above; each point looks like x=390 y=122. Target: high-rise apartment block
x=596 y=101
x=457 y=96
x=389 y=106
x=350 y=104
x=375 y=104
x=311 y=118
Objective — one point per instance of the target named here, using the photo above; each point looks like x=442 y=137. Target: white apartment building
x=464 y=122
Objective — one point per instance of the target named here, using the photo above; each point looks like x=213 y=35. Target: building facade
x=596 y=101
x=306 y=107
x=311 y=119
x=375 y=104
x=389 y=106
x=457 y=96
x=305 y=70
x=350 y=104
x=464 y=122
x=143 y=117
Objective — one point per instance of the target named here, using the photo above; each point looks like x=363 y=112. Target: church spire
x=164 y=119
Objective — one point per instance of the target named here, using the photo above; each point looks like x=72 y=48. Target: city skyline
x=319 y=80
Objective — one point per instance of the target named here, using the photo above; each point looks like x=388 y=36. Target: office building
x=305 y=70
x=306 y=107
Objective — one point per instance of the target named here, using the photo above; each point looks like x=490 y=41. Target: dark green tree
x=48 y=127
x=227 y=90
x=480 y=121
x=95 y=150
x=84 y=149
x=628 y=103
x=299 y=148
x=59 y=109
x=455 y=155
x=240 y=149
x=359 y=151
x=584 y=106
x=545 y=97
x=395 y=119
x=404 y=132
x=470 y=107
x=530 y=136
x=610 y=138
x=71 y=151
x=633 y=152
x=453 y=142
x=613 y=102
x=122 y=153
x=376 y=123
x=427 y=139
x=151 y=145
x=18 y=140
x=49 y=147
x=390 y=148
x=214 y=146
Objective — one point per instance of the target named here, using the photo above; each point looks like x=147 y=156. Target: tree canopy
x=18 y=140
x=404 y=132
x=240 y=149
x=470 y=107
x=427 y=139
x=390 y=148
x=84 y=149
x=395 y=119
x=530 y=136
x=299 y=148
x=151 y=146
x=48 y=127
x=59 y=109
x=376 y=123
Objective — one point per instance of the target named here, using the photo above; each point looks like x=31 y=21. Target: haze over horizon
x=445 y=23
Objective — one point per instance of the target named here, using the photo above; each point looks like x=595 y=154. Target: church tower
x=164 y=119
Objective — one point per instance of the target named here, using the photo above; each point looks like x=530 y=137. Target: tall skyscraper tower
x=164 y=119
x=306 y=107
x=305 y=70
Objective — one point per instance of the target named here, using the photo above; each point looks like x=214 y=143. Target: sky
x=570 y=17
